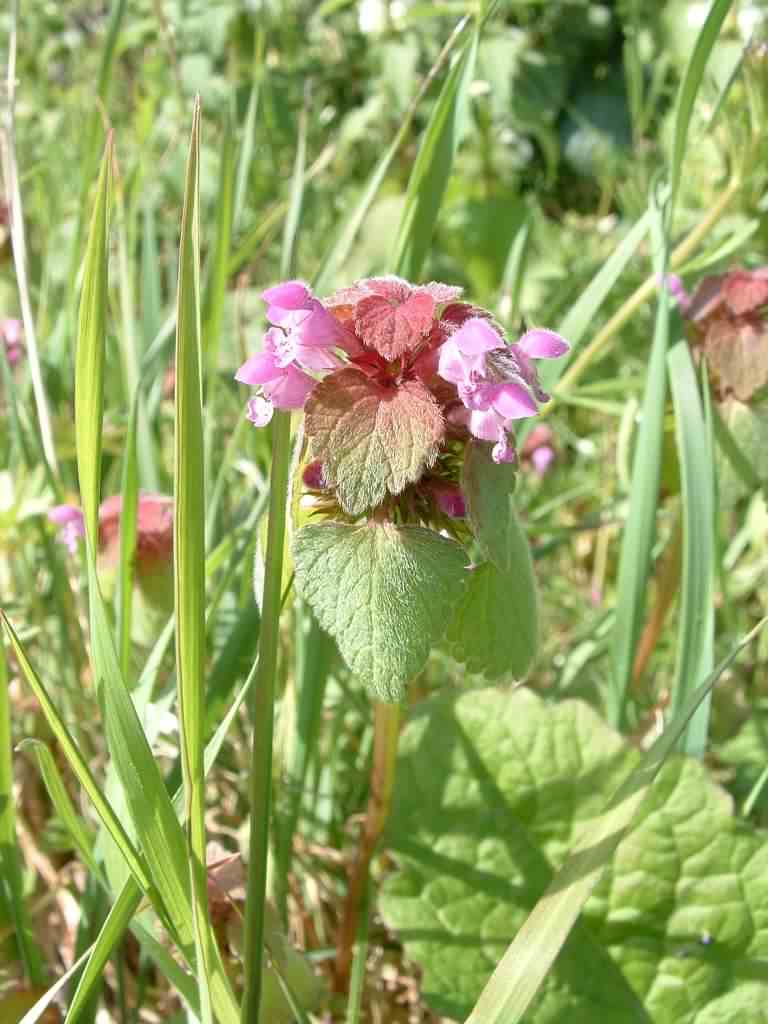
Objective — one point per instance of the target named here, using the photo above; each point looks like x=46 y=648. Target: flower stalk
x=262 y=707
x=386 y=730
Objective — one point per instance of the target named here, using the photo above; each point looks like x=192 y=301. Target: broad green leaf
x=433 y=164
x=488 y=491
x=695 y=646
x=385 y=593
x=372 y=441
x=741 y=457
x=495 y=630
x=493 y=787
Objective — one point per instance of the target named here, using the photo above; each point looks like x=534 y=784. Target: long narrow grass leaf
x=189 y=556
x=128 y=533
x=434 y=161
x=695 y=643
x=342 y=245
x=640 y=529
x=689 y=88
x=11 y=880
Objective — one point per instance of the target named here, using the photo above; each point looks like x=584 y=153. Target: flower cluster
x=397 y=374
x=154 y=529
x=727 y=322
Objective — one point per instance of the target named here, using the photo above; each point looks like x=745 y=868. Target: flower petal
x=63 y=514
x=512 y=401
x=542 y=344
x=259 y=369
x=290 y=390
x=454 y=366
x=475 y=336
x=486 y=425
x=504 y=450
x=260 y=411
x=288 y=295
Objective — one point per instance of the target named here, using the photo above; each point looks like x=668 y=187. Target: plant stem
x=386 y=730
x=642 y=294
x=260 y=782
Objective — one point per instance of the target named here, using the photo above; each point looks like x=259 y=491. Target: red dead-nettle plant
x=406 y=469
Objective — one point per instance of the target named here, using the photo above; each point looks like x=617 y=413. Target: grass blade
x=129 y=897
x=128 y=532
x=293 y=217
x=640 y=529
x=189 y=556
x=78 y=764
x=218 y=270
x=149 y=804
x=689 y=88
x=342 y=246
x=81 y=835
x=432 y=168
x=516 y=980
x=11 y=880
x=695 y=647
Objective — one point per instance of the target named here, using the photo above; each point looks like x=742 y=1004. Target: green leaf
x=189 y=558
x=492 y=787
x=495 y=630
x=433 y=164
x=640 y=530
x=385 y=593
x=695 y=647
x=12 y=894
x=91 y=346
x=371 y=440
x=689 y=87
x=488 y=490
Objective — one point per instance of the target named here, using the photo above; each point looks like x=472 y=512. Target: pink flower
x=496 y=383
x=70 y=519
x=676 y=289
x=451 y=500
x=12 y=333
x=539 y=448
x=302 y=338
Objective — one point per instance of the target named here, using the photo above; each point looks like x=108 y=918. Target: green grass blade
x=695 y=645
x=189 y=556
x=260 y=780
x=218 y=270
x=11 y=872
x=514 y=269
x=129 y=897
x=640 y=529
x=77 y=762
x=151 y=295
x=89 y=359
x=293 y=217
x=149 y=804
x=342 y=246
x=248 y=140
x=516 y=980
x=689 y=87
x=42 y=1004
x=80 y=833
x=576 y=322
x=434 y=161
x=128 y=530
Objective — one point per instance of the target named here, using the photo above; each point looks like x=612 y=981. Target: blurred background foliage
x=568 y=122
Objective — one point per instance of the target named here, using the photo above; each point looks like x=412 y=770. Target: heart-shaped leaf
x=384 y=592
x=395 y=318
x=492 y=788
x=372 y=440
